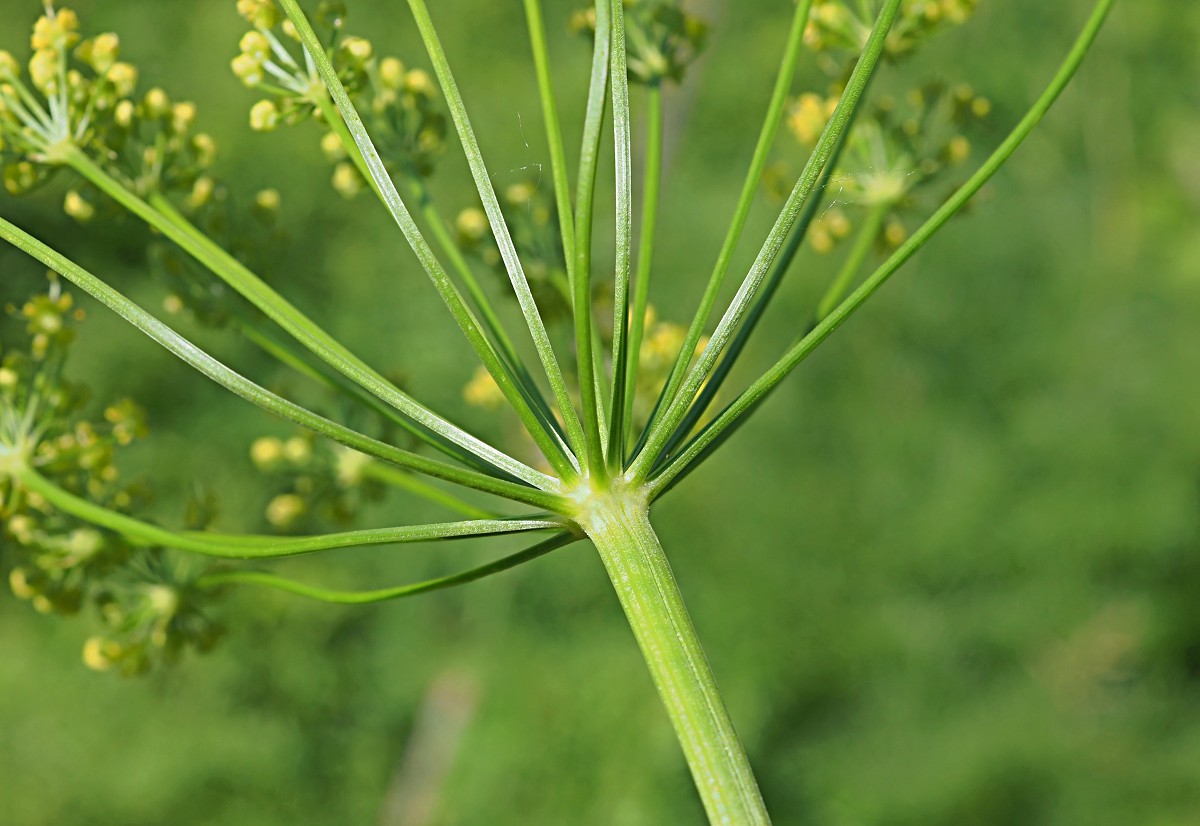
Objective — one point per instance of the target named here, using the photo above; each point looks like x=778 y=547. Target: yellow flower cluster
x=895 y=150
x=153 y=620
x=661 y=37
x=79 y=94
x=532 y=218
x=841 y=26
x=60 y=564
x=319 y=479
x=398 y=103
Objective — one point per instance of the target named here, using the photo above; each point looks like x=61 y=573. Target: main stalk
x=619 y=526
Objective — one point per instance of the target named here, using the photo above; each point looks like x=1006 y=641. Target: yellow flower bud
x=472 y=224
x=959 y=149
x=266 y=453
x=9 y=67
x=331 y=146
x=256 y=46
x=349 y=466
x=202 y=192
x=482 y=391
x=358 y=48
x=106 y=49
x=248 y=70
x=391 y=73
x=267 y=200
x=18 y=581
x=123 y=77
x=260 y=13
x=285 y=509
x=183 y=115
x=99 y=653
x=297 y=450
x=43 y=70
x=156 y=103
x=172 y=304
x=205 y=148
x=124 y=113
x=346 y=179
x=895 y=233
x=418 y=82
x=79 y=209
x=264 y=116
x=519 y=194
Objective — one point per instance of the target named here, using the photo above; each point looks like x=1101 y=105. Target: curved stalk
x=165 y=218
x=587 y=350
x=718 y=430
x=554 y=138
x=248 y=390
x=218 y=580
x=229 y=546
x=620 y=529
x=491 y=206
x=651 y=190
x=741 y=213
x=660 y=431
x=624 y=233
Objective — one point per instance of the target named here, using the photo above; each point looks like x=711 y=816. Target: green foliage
x=849 y=720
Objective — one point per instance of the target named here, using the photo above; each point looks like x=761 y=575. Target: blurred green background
x=949 y=575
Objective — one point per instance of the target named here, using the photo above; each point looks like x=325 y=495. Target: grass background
x=950 y=575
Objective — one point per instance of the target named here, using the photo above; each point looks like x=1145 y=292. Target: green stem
x=161 y=215
x=762 y=151
x=525 y=382
x=660 y=432
x=586 y=350
x=251 y=392
x=504 y=372
x=264 y=547
x=621 y=355
x=397 y=478
x=504 y=242
x=854 y=260
x=717 y=431
x=651 y=191
x=769 y=289
x=554 y=138
x=419 y=193
x=620 y=529
x=385 y=594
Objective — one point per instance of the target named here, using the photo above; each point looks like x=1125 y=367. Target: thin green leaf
x=250 y=391
x=661 y=431
x=737 y=412
x=491 y=206
x=758 y=162
x=164 y=217
x=587 y=351
x=230 y=546
x=501 y=372
x=386 y=594
x=554 y=138
x=624 y=233
x=651 y=190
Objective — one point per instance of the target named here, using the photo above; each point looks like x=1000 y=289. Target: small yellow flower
x=266 y=453
x=285 y=509
x=482 y=391
x=264 y=116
